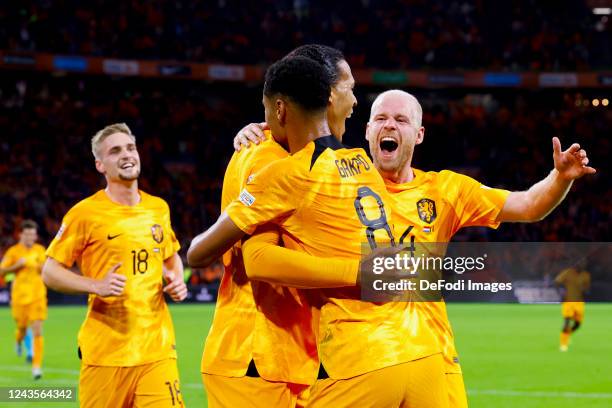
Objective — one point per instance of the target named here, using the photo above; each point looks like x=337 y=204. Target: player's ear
x=420 y=135
x=367 y=132
x=100 y=167
x=281 y=111
x=332 y=96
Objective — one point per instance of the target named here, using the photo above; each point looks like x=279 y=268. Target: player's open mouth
x=388 y=144
x=128 y=166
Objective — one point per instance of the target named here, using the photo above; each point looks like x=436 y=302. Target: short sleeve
x=269 y=195
x=8 y=259
x=172 y=245
x=477 y=204
x=70 y=240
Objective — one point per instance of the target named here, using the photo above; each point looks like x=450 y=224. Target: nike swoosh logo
x=109 y=236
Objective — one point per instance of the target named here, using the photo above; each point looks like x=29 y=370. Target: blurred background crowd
x=184 y=128
x=439 y=34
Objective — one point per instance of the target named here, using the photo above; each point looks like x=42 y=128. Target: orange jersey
x=434 y=206
x=576 y=282
x=28 y=286
x=329 y=200
x=134 y=328
x=257 y=321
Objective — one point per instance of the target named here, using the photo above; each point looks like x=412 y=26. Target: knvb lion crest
x=427 y=210
x=158 y=233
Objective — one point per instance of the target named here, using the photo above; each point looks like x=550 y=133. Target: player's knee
x=575 y=326
x=566 y=326
x=37 y=328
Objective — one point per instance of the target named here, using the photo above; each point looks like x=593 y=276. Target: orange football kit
x=126 y=342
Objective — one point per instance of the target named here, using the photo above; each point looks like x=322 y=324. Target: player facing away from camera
x=324 y=210
x=28 y=293
x=576 y=281
x=123 y=242
x=249 y=358
x=431 y=207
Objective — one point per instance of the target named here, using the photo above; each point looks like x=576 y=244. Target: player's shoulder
x=445 y=181
x=12 y=248
x=153 y=201
x=328 y=149
x=267 y=150
x=449 y=175
x=254 y=158
x=86 y=205
x=38 y=247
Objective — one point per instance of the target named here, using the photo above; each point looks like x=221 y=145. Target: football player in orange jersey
x=311 y=194
x=248 y=358
x=28 y=293
x=393 y=132
x=123 y=242
x=576 y=281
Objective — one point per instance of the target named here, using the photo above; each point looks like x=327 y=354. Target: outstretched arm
x=537 y=202
x=212 y=243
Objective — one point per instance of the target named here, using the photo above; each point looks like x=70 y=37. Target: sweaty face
x=392 y=133
x=119 y=159
x=342 y=100
x=29 y=237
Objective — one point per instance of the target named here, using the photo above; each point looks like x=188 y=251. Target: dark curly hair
x=327 y=56
x=303 y=80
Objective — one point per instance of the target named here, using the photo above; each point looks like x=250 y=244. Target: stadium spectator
x=519 y=35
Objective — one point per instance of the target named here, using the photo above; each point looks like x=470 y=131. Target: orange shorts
x=252 y=392
x=416 y=384
x=457 y=398
x=573 y=310
x=153 y=385
x=24 y=315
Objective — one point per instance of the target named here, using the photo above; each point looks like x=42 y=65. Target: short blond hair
x=106 y=132
x=416 y=111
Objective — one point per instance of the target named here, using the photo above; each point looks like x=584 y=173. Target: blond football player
x=123 y=242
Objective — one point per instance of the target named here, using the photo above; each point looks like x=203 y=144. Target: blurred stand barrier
x=254 y=73
x=202 y=293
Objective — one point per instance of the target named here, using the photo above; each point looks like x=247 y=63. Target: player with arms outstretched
x=123 y=242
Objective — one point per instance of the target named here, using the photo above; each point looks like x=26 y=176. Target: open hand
x=571 y=163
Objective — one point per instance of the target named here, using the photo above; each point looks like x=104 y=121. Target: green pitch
x=509 y=354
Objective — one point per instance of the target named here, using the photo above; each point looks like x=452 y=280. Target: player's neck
x=402 y=176
x=123 y=193
x=304 y=131
x=26 y=245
